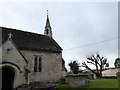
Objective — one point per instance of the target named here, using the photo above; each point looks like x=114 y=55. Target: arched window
x=37 y=64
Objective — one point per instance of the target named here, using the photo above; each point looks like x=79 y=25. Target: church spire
x=48 y=29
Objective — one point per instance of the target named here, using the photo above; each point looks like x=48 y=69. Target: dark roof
x=31 y=41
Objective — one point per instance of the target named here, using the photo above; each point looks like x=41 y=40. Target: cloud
x=73 y=24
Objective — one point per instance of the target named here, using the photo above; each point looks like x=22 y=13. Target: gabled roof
x=31 y=41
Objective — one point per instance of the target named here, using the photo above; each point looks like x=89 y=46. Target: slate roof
x=31 y=41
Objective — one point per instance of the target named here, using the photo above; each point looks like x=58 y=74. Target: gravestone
x=118 y=75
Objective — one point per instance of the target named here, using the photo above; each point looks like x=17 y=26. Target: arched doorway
x=7 y=78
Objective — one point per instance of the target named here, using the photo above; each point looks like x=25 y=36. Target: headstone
x=118 y=75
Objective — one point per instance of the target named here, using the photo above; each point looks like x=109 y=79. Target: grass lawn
x=98 y=84
x=103 y=83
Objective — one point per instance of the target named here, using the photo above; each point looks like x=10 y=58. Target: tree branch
x=91 y=62
x=85 y=65
x=91 y=59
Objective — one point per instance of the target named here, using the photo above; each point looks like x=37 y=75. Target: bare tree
x=99 y=62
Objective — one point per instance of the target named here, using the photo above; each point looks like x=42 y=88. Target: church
x=29 y=57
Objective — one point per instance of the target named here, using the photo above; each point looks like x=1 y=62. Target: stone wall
x=12 y=58
x=75 y=81
x=51 y=66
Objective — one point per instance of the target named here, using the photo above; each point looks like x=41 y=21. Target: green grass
x=111 y=84
x=103 y=83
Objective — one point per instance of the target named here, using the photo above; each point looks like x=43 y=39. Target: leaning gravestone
x=118 y=75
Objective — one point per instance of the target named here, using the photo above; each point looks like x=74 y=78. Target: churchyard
x=98 y=84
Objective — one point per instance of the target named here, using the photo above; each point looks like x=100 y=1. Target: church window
x=39 y=68
x=37 y=64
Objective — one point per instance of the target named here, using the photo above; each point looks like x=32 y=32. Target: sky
x=80 y=28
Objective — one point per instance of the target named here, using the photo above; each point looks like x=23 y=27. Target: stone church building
x=30 y=57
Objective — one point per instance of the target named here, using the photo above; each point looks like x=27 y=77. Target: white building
x=111 y=72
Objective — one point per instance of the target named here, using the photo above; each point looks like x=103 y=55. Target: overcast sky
x=80 y=28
